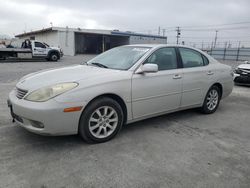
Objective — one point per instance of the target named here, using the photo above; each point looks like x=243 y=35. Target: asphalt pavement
x=183 y=149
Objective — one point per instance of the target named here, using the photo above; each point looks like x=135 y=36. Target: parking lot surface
x=183 y=149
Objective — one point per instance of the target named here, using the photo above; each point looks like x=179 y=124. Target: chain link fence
x=231 y=54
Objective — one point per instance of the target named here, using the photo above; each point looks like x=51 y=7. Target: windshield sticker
x=140 y=49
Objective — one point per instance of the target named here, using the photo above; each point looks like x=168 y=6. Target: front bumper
x=242 y=79
x=45 y=118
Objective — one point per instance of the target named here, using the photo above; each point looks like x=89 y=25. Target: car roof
x=155 y=46
x=160 y=45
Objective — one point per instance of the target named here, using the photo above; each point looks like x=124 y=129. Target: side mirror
x=246 y=62
x=147 y=68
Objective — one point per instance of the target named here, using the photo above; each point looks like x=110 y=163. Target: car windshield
x=121 y=58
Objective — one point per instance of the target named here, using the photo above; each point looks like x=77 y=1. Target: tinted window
x=191 y=58
x=165 y=58
x=39 y=45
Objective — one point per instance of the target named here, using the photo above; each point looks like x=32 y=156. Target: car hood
x=244 y=66
x=54 y=48
x=61 y=75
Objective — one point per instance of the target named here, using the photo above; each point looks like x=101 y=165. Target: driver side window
x=39 y=45
x=165 y=58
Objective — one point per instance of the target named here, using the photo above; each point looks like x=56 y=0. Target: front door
x=154 y=93
x=39 y=49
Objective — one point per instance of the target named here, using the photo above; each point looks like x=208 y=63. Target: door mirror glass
x=149 y=68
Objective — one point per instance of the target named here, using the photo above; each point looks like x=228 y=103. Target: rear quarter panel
x=225 y=78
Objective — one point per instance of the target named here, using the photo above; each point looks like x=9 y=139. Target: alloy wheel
x=103 y=122
x=212 y=99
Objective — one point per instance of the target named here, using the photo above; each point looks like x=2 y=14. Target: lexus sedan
x=123 y=85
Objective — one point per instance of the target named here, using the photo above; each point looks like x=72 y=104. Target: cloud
x=135 y=15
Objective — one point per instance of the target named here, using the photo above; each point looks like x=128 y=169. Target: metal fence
x=232 y=54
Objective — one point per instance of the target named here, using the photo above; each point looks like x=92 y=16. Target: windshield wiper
x=99 y=65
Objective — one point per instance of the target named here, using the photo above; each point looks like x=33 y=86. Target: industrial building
x=89 y=41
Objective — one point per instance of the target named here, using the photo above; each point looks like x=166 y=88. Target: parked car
x=123 y=85
x=242 y=74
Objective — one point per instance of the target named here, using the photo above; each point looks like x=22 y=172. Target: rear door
x=39 y=49
x=154 y=93
x=196 y=77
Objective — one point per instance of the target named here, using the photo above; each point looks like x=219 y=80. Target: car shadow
x=24 y=136
x=155 y=122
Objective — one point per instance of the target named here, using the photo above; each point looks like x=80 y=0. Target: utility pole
x=178 y=34
x=239 y=44
x=163 y=32
x=215 y=39
x=159 y=30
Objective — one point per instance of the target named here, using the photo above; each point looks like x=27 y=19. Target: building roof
x=34 y=32
x=93 y=31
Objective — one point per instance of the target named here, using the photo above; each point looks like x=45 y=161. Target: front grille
x=20 y=93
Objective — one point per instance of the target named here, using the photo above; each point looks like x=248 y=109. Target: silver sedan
x=123 y=85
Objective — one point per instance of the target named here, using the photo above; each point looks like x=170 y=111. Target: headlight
x=237 y=71
x=46 y=93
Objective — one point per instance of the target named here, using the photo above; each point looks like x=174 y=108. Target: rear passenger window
x=191 y=58
x=165 y=58
x=205 y=60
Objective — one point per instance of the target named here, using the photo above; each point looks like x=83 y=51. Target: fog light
x=36 y=124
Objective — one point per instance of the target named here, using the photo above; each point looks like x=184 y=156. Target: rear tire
x=211 y=101
x=101 y=120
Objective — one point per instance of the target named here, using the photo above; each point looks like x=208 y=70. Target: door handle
x=177 y=76
x=210 y=73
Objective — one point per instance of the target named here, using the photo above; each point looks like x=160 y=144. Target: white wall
x=146 y=40
x=67 y=42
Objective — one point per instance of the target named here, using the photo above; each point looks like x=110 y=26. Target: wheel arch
x=219 y=85
x=53 y=51
x=115 y=97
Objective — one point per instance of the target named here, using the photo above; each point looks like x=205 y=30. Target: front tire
x=101 y=120
x=54 y=57
x=211 y=101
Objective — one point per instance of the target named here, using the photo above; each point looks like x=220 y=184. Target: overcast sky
x=17 y=16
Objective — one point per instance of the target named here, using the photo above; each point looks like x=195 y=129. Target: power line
x=204 y=27
x=225 y=28
x=216 y=25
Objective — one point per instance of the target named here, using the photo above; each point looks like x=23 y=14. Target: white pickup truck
x=31 y=49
